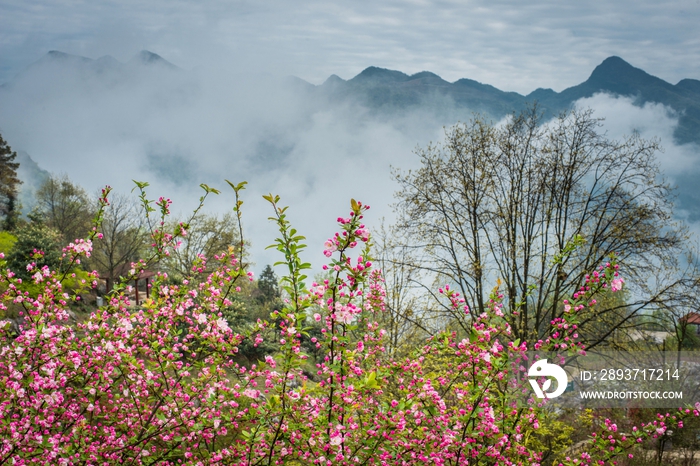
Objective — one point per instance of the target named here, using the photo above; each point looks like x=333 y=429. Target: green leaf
x=371 y=381
x=208 y=189
x=239 y=186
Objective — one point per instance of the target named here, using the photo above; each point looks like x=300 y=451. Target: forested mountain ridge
x=388 y=90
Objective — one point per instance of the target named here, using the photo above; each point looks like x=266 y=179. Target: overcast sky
x=513 y=45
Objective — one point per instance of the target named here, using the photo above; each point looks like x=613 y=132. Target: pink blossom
x=616 y=284
x=223 y=325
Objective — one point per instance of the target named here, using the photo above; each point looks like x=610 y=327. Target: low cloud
x=622 y=117
x=680 y=163
x=177 y=130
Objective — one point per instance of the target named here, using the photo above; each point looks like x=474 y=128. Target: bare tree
x=505 y=202
x=678 y=313
x=124 y=239
x=207 y=235
x=404 y=317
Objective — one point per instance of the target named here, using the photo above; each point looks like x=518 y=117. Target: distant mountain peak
x=616 y=75
x=383 y=75
x=332 y=79
x=614 y=60
x=56 y=55
x=541 y=94
x=692 y=85
x=146 y=57
x=424 y=74
x=614 y=65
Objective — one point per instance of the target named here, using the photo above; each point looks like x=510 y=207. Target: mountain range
x=107 y=66
x=382 y=92
x=388 y=90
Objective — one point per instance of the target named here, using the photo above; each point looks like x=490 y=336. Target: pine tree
x=268 y=286
x=8 y=186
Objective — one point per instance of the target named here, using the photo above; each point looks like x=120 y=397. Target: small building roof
x=692 y=318
x=125 y=269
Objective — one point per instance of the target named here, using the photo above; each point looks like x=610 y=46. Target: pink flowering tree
x=159 y=383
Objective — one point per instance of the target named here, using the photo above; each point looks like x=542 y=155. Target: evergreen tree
x=268 y=285
x=8 y=186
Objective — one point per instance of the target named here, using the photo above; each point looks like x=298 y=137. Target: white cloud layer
x=679 y=163
x=652 y=121
x=179 y=130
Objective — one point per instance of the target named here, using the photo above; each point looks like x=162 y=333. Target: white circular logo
x=542 y=368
